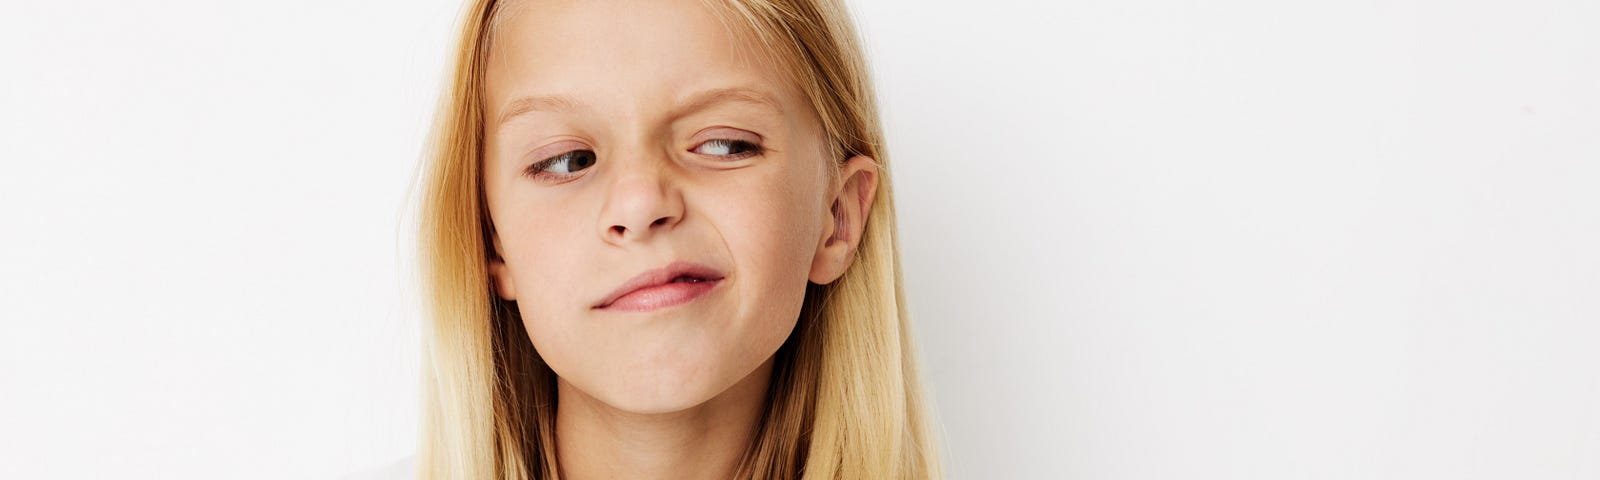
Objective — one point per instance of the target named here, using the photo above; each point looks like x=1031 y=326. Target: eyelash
x=537 y=170
x=750 y=148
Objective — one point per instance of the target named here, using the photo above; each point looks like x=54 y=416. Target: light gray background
x=1144 y=239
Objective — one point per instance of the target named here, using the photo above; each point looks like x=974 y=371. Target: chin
x=660 y=390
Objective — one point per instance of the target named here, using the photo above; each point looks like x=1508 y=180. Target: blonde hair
x=845 y=399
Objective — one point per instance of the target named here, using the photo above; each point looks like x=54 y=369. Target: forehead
x=623 y=56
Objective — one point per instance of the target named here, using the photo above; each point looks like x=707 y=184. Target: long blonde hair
x=845 y=400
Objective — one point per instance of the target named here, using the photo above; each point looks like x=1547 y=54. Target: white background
x=1145 y=239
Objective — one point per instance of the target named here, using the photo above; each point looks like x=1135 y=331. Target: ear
x=499 y=274
x=847 y=214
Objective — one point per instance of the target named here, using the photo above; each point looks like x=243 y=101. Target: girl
x=658 y=241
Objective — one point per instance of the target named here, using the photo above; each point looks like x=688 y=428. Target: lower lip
x=661 y=296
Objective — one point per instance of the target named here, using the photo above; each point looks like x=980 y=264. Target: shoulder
x=402 y=469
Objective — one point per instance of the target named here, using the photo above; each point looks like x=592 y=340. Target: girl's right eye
x=562 y=165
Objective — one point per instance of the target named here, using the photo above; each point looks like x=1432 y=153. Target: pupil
x=582 y=160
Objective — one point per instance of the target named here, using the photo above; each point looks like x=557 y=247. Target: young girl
x=659 y=242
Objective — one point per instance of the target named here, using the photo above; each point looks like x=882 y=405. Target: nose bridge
x=642 y=196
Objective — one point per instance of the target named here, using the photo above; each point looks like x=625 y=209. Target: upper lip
x=660 y=276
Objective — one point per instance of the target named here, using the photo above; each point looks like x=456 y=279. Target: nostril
x=659 y=221
x=619 y=229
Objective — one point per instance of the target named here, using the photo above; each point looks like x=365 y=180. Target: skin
x=675 y=392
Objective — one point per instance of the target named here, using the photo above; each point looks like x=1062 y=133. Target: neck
x=594 y=440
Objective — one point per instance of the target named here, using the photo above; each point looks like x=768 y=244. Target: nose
x=643 y=200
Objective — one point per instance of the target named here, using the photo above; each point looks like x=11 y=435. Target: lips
x=678 y=283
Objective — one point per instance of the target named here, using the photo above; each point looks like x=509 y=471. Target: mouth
x=675 y=284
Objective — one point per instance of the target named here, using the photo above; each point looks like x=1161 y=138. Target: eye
x=728 y=148
x=563 y=164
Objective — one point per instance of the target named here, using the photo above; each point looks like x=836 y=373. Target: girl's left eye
x=728 y=148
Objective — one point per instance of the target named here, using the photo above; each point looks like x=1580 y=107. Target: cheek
x=772 y=227
x=547 y=258
x=773 y=231
x=551 y=264
x=771 y=218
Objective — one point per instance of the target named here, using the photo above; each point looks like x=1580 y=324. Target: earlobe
x=852 y=201
x=500 y=275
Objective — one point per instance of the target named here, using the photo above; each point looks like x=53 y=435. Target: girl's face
x=627 y=143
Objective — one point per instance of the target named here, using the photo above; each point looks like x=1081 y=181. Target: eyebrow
x=690 y=104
